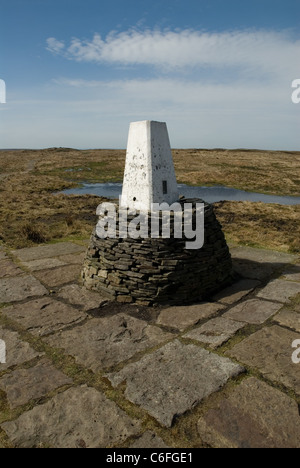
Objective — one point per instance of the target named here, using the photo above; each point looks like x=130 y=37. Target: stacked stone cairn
x=159 y=271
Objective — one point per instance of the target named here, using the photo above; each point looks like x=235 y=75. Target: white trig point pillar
x=149 y=170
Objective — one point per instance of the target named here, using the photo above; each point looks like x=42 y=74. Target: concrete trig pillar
x=149 y=170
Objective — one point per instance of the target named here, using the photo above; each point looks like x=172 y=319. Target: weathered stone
x=292 y=273
x=122 y=289
x=43 y=264
x=289 y=318
x=271 y=257
x=182 y=317
x=80 y=296
x=215 y=332
x=254 y=415
x=132 y=274
x=17 y=351
x=78 y=417
x=122 y=266
x=169 y=262
x=280 y=290
x=270 y=351
x=93 y=270
x=125 y=299
x=44 y=316
x=73 y=259
x=149 y=440
x=20 y=288
x=104 y=342
x=252 y=270
x=254 y=311
x=8 y=268
x=114 y=278
x=2 y=255
x=23 y=385
x=236 y=292
x=102 y=274
x=107 y=291
x=174 y=379
x=258 y=263
x=48 y=251
x=143 y=303
x=148 y=271
x=59 y=276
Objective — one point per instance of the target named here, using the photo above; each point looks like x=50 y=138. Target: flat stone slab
x=23 y=385
x=253 y=270
x=289 y=318
x=59 y=276
x=236 y=292
x=17 y=351
x=45 y=315
x=255 y=311
x=103 y=342
x=280 y=290
x=215 y=332
x=20 y=288
x=48 y=251
x=174 y=379
x=277 y=259
x=79 y=417
x=254 y=415
x=77 y=295
x=270 y=351
x=258 y=263
x=292 y=273
x=182 y=317
x=149 y=440
x=8 y=268
x=73 y=259
x=43 y=264
x=2 y=255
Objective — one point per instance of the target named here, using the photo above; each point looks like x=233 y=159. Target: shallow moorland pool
x=209 y=194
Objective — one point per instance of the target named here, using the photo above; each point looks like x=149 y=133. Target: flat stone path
x=81 y=371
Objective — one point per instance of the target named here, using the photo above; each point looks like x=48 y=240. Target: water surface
x=209 y=194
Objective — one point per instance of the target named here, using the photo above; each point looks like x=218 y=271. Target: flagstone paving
x=280 y=290
x=172 y=380
x=82 y=371
x=215 y=332
x=44 y=316
x=23 y=385
x=289 y=318
x=79 y=417
x=182 y=317
x=18 y=351
x=20 y=288
x=252 y=415
x=8 y=268
x=269 y=350
x=254 y=311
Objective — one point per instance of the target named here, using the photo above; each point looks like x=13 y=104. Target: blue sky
x=218 y=72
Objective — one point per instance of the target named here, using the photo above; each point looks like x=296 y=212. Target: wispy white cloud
x=264 y=51
x=55 y=46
